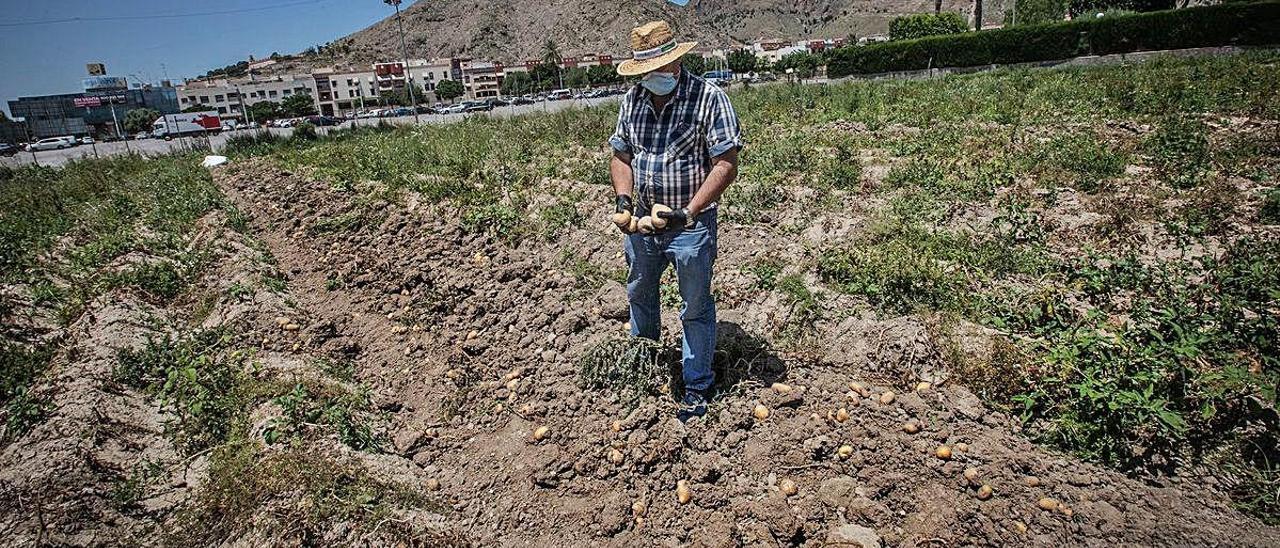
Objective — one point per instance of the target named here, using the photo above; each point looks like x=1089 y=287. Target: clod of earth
x=683 y=493
x=781 y=388
x=923 y=386
x=887 y=397
x=971 y=475
x=910 y=428
x=616 y=426
x=962 y=447
x=842 y=414
x=857 y=387
x=638 y=508
x=433 y=484
x=1047 y=504
x=615 y=456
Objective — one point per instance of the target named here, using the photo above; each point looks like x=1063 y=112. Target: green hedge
x=920 y=25
x=1221 y=25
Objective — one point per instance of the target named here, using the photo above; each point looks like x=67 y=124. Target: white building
x=231 y=97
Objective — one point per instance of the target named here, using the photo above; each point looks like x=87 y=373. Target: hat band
x=646 y=54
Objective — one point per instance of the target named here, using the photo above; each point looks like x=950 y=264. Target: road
x=152 y=147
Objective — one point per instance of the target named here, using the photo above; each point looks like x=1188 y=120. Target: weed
x=1179 y=151
x=308 y=494
x=1079 y=160
x=22 y=412
x=130 y=490
x=195 y=379
x=804 y=306
x=632 y=368
x=1269 y=211
x=309 y=406
x=499 y=220
x=766 y=271
x=844 y=170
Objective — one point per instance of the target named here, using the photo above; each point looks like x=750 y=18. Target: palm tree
x=977 y=14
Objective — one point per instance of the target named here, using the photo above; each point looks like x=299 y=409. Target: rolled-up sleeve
x=621 y=138
x=723 y=131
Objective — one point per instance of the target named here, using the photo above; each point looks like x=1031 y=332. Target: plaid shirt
x=671 y=151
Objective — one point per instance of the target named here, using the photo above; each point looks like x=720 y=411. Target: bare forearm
x=723 y=171
x=620 y=173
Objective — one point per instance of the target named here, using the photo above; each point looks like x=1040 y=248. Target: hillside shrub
x=920 y=25
x=1220 y=25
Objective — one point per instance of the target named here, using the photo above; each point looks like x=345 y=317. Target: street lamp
x=404 y=52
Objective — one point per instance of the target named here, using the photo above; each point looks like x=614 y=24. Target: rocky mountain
x=516 y=31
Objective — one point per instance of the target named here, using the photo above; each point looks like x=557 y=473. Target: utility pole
x=404 y=52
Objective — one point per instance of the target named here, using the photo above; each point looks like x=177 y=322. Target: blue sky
x=38 y=59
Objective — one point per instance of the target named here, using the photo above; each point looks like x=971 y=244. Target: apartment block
x=230 y=98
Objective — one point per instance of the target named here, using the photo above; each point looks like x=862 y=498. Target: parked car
x=86 y=140
x=398 y=111
x=476 y=106
x=522 y=100
x=322 y=120
x=51 y=143
x=559 y=94
x=453 y=109
x=498 y=101
x=427 y=109
x=7 y=149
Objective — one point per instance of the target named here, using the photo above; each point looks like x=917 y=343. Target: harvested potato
x=638 y=508
x=984 y=492
x=971 y=475
x=760 y=412
x=923 y=387
x=887 y=397
x=633 y=226
x=842 y=414
x=781 y=388
x=683 y=493
x=541 y=433
x=622 y=219
x=845 y=451
x=910 y=428
x=788 y=487
x=943 y=452
x=616 y=426
x=646 y=225
x=962 y=447
x=857 y=387
x=433 y=484
x=1047 y=504
x=615 y=456
x=1031 y=481
x=658 y=222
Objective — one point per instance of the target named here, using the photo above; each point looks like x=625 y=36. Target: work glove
x=624 y=204
x=677 y=218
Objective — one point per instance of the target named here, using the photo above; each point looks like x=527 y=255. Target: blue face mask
x=660 y=83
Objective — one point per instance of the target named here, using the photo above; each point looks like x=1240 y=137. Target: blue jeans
x=693 y=252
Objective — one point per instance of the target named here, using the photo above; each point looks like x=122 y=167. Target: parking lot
x=158 y=146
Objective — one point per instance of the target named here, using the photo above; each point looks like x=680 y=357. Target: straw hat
x=652 y=46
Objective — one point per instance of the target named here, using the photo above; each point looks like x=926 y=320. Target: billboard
x=98 y=100
x=96 y=69
x=105 y=82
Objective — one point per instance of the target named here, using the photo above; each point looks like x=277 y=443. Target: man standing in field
x=676 y=145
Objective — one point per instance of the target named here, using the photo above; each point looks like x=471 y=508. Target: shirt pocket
x=684 y=137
